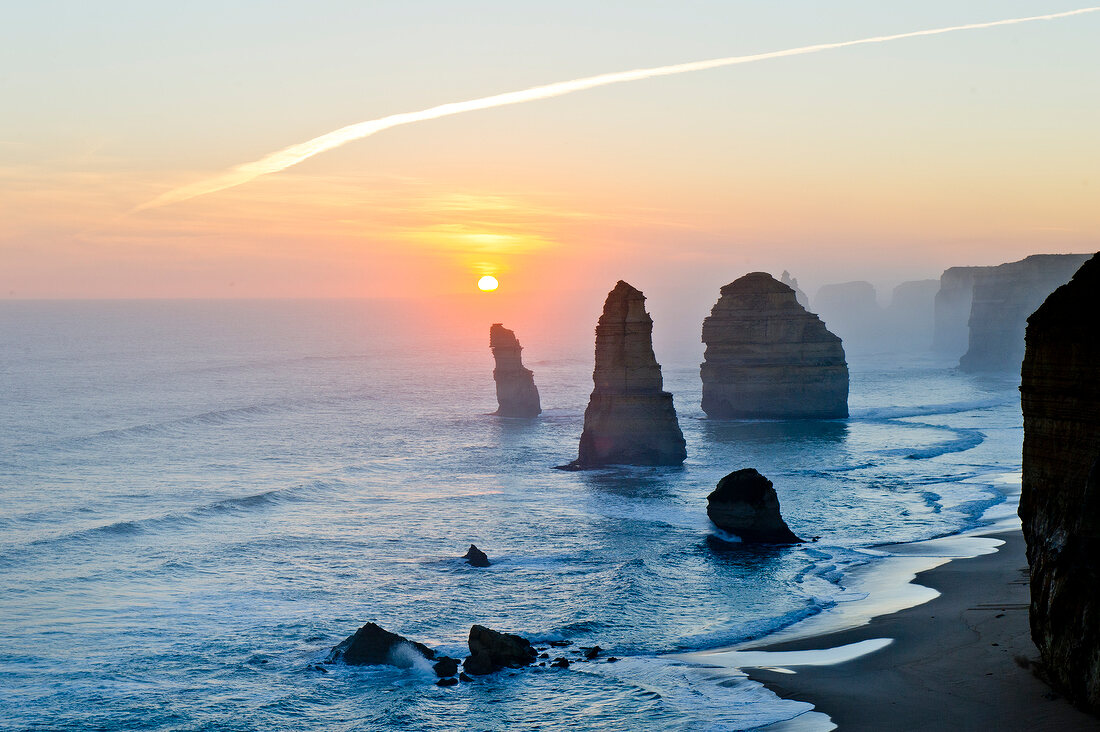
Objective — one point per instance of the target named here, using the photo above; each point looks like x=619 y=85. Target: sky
x=884 y=162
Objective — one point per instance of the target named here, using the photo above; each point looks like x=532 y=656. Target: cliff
x=951 y=333
x=1003 y=297
x=1060 y=499
x=630 y=420
x=767 y=357
x=517 y=395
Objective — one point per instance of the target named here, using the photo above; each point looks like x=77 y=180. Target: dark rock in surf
x=447 y=682
x=561 y=663
x=745 y=504
x=372 y=645
x=592 y=652
x=465 y=677
x=1060 y=496
x=517 y=395
x=630 y=419
x=491 y=651
x=445 y=666
x=475 y=557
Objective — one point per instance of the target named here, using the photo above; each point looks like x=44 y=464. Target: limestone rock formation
x=768 y=358
x=851 y=310
x=630 y=420
x=910 y=316
x=476 y=558
x=372 y=645
x=951 y=332
x=517 y=395
x=791 y=282
x=1060 y=500
x=491 y=651
x=745 y=504
x=1003 y=298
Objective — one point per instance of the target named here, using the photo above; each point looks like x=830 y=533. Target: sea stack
x=745 y=504
x=1060 y=499
x=630 y=420
x=768 y=358
x=517 y=395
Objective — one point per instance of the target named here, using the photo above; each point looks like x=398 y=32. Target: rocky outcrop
x=491 y=651
x=791 y=282
x=745 y=504
x=1003 y=297
x=476 y=558
x=909 y=318
x=372 y=645
x=517 y=395
x=1060 y=500
x=630 y=420
x=851 y=310
x=767 y=357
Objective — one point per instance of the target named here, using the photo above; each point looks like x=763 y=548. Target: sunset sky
x=886 y=162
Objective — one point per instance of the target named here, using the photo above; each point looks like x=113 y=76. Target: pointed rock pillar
x=630 y=420
x=517 y=395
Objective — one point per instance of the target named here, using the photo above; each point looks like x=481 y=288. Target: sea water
x=199 y=499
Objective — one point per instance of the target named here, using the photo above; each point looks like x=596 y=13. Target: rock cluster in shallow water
x=517 y=395
x=630 y=419
x=1060 y=498
x=767 y=357
x=745 y=504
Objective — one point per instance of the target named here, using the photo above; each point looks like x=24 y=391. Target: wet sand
x=959 y=662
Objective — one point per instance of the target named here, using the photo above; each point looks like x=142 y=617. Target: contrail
x=295 y=154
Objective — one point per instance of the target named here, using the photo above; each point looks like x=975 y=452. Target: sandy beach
x=959 y=662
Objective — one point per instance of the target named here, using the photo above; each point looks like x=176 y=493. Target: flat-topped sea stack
x=517 y=395
x=630 y=419
x=768 y=358
x=1060 y=497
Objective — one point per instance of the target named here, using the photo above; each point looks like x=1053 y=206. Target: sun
x=488 y=283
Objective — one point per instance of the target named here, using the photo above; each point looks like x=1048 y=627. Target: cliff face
x=1060 y=500
x=517 y=395
x=952 y=310
x=767 y=357
x=630 y=420
x=1003 y=297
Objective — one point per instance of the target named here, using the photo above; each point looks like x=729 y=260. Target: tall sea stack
x=768 y=358
x=1060 y=500
x=630 y=419
x=517 y=395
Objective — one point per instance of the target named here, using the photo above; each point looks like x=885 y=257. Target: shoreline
x=959 y=661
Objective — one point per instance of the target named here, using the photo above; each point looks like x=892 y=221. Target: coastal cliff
x=517 y=395
x=1003 y=297
x=1060 y=500
x=767 y=357
x=951 y=333
x=630 y=419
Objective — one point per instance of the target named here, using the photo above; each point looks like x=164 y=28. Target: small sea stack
x=630 y=419
x=745 y=504
x=476 y=558
x=1060 y=495
x=767 y=357
x=491 y=650
x=373 y=645
x=517 y=395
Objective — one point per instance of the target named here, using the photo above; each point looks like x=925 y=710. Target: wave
x=900 y=412
x=133 y=527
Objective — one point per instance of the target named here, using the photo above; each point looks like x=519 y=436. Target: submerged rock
x=1060 y=498
x=517 y=395
x=767 y=357
x=475 y=557
x=745 y=504
x=630 y=419
x=1001 y=300
x=491 y=651
x=372 y=645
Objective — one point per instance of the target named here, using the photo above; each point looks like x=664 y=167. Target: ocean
x=198 y=499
